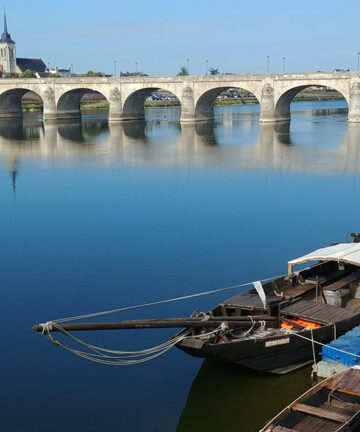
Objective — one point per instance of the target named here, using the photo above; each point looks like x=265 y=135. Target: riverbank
x=101 y=103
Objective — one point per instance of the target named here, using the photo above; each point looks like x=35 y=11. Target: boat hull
x=275 y=354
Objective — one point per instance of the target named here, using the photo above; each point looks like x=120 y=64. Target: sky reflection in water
x=95 y=217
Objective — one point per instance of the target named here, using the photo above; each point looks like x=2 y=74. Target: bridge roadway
x=126 y=95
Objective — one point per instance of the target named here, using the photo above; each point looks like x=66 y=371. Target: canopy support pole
x=290 y=269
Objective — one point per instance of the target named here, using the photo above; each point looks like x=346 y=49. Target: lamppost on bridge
x=115 y=68
x=268 y=64
x=71 y=69
x=135 y=67
x=188 y=66
x=358 y=60
x=284 y=64
x=206 y=67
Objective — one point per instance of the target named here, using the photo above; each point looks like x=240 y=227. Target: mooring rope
x=122 y=309
x=319 y=343
x=120 y=358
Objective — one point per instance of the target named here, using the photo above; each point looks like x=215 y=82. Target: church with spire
x=9 y=63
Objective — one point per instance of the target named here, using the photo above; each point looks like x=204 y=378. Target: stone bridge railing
x=126 y=95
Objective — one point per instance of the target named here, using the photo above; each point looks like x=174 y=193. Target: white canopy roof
x=343 y=252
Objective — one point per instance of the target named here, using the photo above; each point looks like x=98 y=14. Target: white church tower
x=7 y=51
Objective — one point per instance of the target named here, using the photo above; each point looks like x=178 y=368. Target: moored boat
x=274 y=327
x=331 y=406
x=312 y=306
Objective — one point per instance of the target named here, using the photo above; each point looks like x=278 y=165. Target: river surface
x=96 y=217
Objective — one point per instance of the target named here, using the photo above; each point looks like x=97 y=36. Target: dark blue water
x=95 y=217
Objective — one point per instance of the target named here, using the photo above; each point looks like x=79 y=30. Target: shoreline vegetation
x=100 y=103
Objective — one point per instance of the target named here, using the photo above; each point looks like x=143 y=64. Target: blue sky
x=233 y=35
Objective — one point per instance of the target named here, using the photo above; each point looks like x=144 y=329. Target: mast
x=212 y=322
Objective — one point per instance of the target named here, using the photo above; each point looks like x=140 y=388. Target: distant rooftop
x=35 y=65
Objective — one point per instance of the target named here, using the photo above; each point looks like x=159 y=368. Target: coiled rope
x=121 y=358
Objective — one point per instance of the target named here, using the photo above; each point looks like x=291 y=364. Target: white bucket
x=333 y=298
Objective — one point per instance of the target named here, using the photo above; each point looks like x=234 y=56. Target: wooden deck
x=344 y=282
x=319 y=312
x=348 y=382
x=248 y=300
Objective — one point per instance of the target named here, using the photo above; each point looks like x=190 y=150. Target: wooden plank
x=319 y=311
x=342 y=283
x=298 y=290
x=320 y=412
x=277 y=428
x=349 y=381
x=316 y=424
x=325 y=278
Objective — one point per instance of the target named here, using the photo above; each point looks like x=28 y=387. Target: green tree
x=214 y=71
x=11 y=75
x=28 y=74
x=54 y=75
x=183 y=71
x=90 y=73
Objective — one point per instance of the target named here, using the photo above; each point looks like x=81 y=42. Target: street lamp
x=268 y=64
x=206 y=67
x=71 y=69
x=136 y=67
x=358 y=60
x=188 y=66
x=283 y=64
x=115 y=68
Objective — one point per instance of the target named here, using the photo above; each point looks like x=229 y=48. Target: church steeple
x=6 y=36
x=7 y=52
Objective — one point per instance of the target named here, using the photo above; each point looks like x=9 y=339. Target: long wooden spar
x=212 y=322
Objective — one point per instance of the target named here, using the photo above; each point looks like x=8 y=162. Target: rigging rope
x=122 y=309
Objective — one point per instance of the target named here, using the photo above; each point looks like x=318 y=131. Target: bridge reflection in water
x=248 y=398
x=268 y=147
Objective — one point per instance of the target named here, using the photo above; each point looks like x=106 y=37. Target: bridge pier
x=354 y=103
x=187 y=106
x=115 y=106
x=269 y=113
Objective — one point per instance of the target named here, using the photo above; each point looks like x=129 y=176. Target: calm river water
x=96 y=217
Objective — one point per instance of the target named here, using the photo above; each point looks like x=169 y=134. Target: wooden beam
x=349 y=392
x=277 y=428
x=320 y=412
x=212 y=322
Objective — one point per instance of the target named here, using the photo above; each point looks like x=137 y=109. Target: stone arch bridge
x=126 y=95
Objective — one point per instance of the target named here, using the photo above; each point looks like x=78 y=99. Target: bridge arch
x=11 y=101
x=204 y=106
x=69 y=103
x=282 y=104
x=134 y=104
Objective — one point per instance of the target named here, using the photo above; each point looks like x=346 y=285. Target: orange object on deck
x=302 y=322
x=285 y=324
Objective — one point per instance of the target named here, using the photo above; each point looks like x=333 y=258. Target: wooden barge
x=275 y=327
x=331 y=406
x=300 y=302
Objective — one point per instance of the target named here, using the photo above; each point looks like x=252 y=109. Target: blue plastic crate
x=349 y=342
